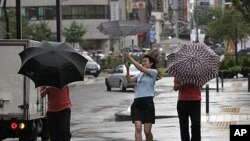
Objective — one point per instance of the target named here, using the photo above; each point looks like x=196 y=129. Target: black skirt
x=143 y=110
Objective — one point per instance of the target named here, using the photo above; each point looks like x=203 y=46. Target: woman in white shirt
x=142 y=109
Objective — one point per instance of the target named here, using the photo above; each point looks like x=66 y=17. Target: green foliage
x=37 y=32
x=223 y=65
x=40 y=31
x=224 y=27
x=26 y=31
x=110 y=62
x=244 y=7
x=230 y=63
x=74 y=33
x=229 y=69
x=235 y=68
x=245 y=61
x=209 y=14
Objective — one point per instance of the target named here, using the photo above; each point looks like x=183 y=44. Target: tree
x=208 y=14
x=41 y=31
x=244 y=7
x=74 y=33
x=11 y=26
x=6 y=19
x=224 y=27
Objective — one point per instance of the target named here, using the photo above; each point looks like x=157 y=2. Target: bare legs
x=147 y=131
x=138 y=130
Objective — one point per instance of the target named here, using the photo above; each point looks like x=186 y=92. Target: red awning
x=141 y=34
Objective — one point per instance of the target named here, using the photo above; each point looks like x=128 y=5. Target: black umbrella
x=52 y=64
x=123 y=28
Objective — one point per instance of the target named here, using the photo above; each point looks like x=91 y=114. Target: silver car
x=117 y=79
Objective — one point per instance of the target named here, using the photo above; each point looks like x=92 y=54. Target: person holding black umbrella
x=142 y=109
x=59 y=112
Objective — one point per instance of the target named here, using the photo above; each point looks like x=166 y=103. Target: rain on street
x=93 y=112
x=94 y=108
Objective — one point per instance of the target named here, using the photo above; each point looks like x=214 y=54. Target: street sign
x=204 y=3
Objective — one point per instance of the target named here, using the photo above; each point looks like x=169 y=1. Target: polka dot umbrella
x=193 y=63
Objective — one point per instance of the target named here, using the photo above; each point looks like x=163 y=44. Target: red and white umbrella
x=193 y=63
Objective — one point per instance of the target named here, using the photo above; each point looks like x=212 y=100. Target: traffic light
x=159 y=5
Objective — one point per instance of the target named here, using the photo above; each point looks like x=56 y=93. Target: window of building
x=85 y=12
x=50 y=13
x=91 y=11
x=75 y=12
x=66 y=12
x=41 y=13
x=81 y=11
x=31 y=13
x=100 y=12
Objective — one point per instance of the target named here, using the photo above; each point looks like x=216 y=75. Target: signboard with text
x=204 y=3
x=114 y=10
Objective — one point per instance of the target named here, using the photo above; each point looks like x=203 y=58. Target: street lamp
x=58 y=21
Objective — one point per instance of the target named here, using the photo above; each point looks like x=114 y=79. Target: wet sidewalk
x=229 y=106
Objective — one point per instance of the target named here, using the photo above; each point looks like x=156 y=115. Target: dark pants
x=190 y=109
x=45 y=130
x=59 y=125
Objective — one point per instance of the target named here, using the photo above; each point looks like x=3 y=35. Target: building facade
x=90 y=13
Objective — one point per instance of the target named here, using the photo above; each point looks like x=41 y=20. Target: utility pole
x=176 y=21
x=18 y=20
x=58 y=21
x=236 y=46
x=196 y=19
x=148 y=15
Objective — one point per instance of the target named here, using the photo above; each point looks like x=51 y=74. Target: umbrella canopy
x=123 y=28
x=193 y=63
x=52 y=64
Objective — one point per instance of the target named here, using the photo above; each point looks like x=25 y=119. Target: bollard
x=222 y=85
x=207 y=98
x=217 y=84
x=248 y=82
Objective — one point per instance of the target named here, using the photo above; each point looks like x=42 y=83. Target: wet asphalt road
x=93 y=111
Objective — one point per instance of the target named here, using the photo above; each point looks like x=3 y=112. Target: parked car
x=218 y=49
x=92 y=68
x=117 y=79
x=245 y=51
